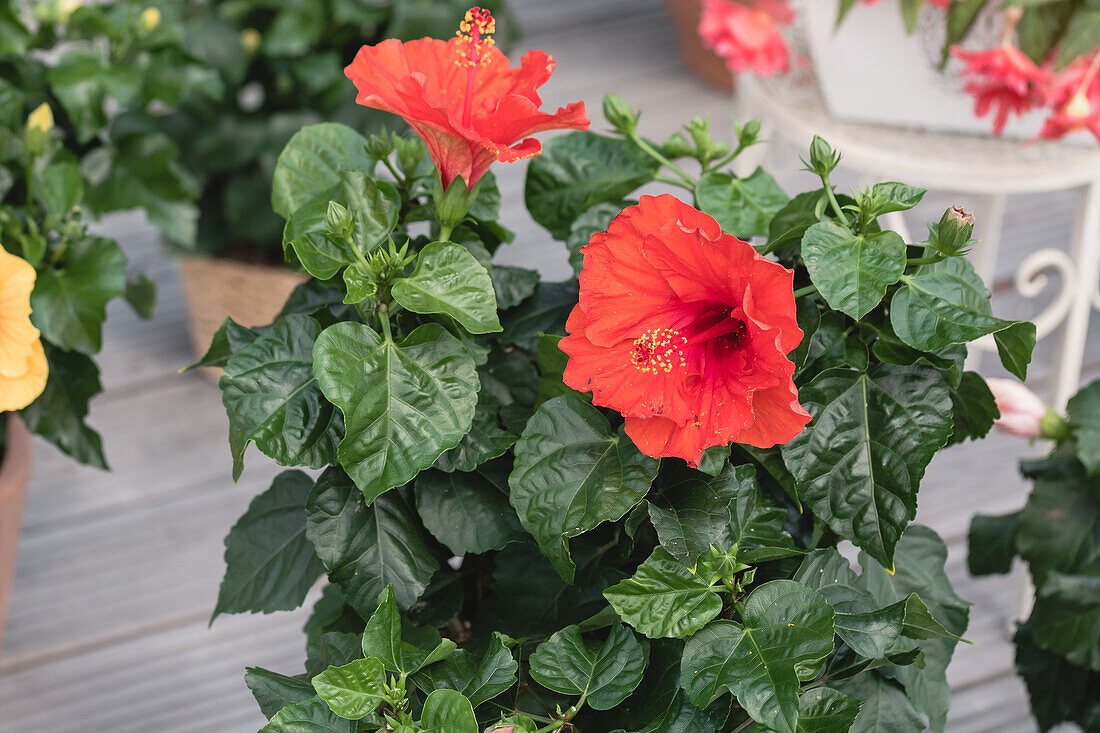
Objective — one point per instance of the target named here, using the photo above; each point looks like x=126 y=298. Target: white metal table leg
x=1085 y=252
x=989 y=214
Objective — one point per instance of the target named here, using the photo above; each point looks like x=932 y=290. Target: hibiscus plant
x=612 y=503
x=1057 y=533
x=279 y=64
x=64 y=157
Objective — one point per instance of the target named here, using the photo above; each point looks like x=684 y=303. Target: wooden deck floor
x=118 y=572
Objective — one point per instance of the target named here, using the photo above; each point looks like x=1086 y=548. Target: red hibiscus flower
x=685 y=330
x=1002 y=77
x=746 y=35
x=462 y=96
x=1074 y=98
x=942 y=4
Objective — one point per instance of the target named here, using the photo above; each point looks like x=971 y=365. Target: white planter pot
x=870 y=70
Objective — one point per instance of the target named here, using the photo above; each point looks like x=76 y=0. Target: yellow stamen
x=658 y=349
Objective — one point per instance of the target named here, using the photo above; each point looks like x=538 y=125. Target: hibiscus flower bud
x=251 y=40
x=501 y=729
x=951 y=235
x=823 y=159
x=149 y=19
x=960 y=215
x=380 y=147
x=619 y=114
x=39 y=124
x=338 y=219
x=1023 y=413
x=453 y=203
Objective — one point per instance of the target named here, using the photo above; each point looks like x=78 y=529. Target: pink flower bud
x=1022 y=411
x=502 y=729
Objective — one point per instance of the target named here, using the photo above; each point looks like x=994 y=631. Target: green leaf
x=1083 y=413
x=596 y=219
x=58 y=413
x=308 y=716
x=447 y=711
x=991 y=543
x=273 y=399
x=373 y=207
x=513 y=285
x=69 y=302
x=824 y=710
x=664 y=598
x=77 y=79
x=973 y=408
x=573 y=473
x=859 y=463
x=851 y=271
x=1066 y=617
x=1059 y=691
x=479 y=680
x=784 y=624
x=141 y=294
x=229 y=339
x=604 y=673
x=1059 y=527
x=466 y=512
x=692 y=510
x=947 y=303
x=919 y=568
x=888 y=197
x=274 y=691
x=311 y=163
x=757 y=524
x=367 y=548
x=543 y=313
x=485 y=441
x=355 y=690
x=61 y=188
x=382 y=639
x=578 y=170
x=1081 y=33
x=885 y=709
x=743 y=207
x=270 y=563
x=403 y=404
x=450 y=281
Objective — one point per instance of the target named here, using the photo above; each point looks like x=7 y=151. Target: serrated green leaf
x=858 y=465
x=58 y=413
x=447 y=711
x=824 y=710
x=308 y=716
x=273 y=399
x=426 y=387
x=366 y=549
x=1083 y=414
x=1066 y=617
x=479 y=680
x=572 y=473
x=383 y=639
x=450 y=281
x=274 y=691
x=312 y=161
x=784 y=624
x=605 y=673
x=852 y=272
x=743 y=207
x=664 y=599
x=270 y=563
x=466 y=512
x=578 y=170
x=692 y=510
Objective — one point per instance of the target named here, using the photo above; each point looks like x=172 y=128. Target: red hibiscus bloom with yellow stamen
x=462 y=97
x=685 y=330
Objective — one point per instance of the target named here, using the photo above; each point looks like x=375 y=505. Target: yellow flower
x=41 y=120
x=250 y=39
x=23 y=366
x=150 y=18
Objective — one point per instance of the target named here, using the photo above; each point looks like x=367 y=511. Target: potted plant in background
x=534 y=515
x=63 y=158
x=1057 y=534
x=279 y=65
x=944 y=64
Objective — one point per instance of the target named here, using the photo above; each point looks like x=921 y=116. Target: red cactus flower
x=685 y=330
x=1003 y=77
x=462 y=97
x=746 y=34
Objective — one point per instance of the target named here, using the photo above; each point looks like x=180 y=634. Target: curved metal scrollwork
x=1033 y=279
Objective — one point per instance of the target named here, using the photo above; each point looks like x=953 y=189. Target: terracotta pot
x=216 y=289
x=15 y=471
x=707 y=65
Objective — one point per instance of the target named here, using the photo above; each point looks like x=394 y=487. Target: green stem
x=808 y=290
x=445 y=230
x=384 y=321
x=554 y=725
x=651 y=152
x=744 y=726
x=393 y=171
x=832 y=200
x=728 y=159
x=673 y=182
x=930 y=260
